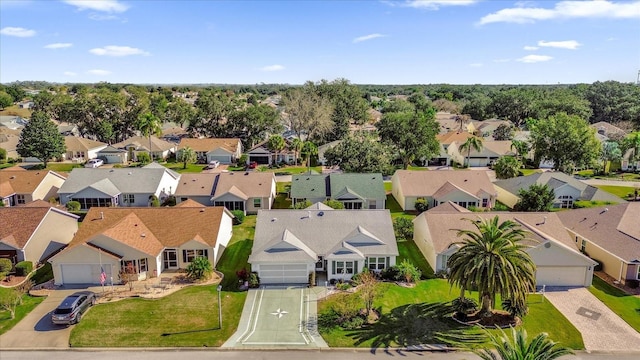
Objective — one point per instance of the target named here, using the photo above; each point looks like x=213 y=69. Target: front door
x=170 y=259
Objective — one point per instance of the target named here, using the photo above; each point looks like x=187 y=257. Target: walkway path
x=601 y=328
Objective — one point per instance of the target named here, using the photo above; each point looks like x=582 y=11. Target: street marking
x=279 y=313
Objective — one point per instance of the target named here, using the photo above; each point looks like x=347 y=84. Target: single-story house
x=445 y=140
x=226 y=151
x=491 y=151
x=145 y=242
x=34 y=233
x=463 y=187
x=248 y=191
x=628 y=163
x=355 y=191
x=160 y=149
x=19 y=186
x=609 y=235
x=608 y=131
x=261 y=154
x=567 y=189
x=81 y=149
x=112 y=155
x=103 y=187
x=291 y=244
x=557 y=261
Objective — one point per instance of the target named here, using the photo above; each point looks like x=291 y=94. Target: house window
x=142 y=264
x=377 y=263
x=189 y=255
x=638 y=272
x=257 y=203
x=230 y=205
x=20 y=199
x=583 y=245
x=86 y=203
x=352 y=205
x=134 y=266
x=343 y=267
x=128 y=198
x=372 y=204
x=485 y=203
x=462 y=203
x=445 y=260
x=566 y=201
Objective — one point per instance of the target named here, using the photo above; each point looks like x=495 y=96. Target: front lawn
x=188 y=317
x=620 y=191
x=28 y=304
x=624 y=305
x=282 y=200
x=526 y=172
x=236 y=255
x=409 y=251
x=411 y=316
x=179 y=167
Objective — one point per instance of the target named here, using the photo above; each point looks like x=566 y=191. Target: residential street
x=596 y=182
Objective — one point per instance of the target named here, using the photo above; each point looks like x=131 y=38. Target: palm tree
x=296 y=146
x=309 y=149
x=187 y=156
x=473 y=142
x=540 y=348
x=276 y=144
x=494 y=260
x=148 y=124
x=462 y=119
x=521 y=148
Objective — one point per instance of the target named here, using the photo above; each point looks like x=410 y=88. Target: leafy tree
x=40 y=139
x=309 y=149
x=507 y=167
x=334 y=204
x=5 y=100
x=307 y=113
x=296 y=146
x=421 y=205
x=521 y=147
x=143 y=157
x=409 y=272
x=504 y=348
x=535 y=199
x=403 y=228
x=16 y=91
x=612 y=101
x=9 y=301
x=187 y=156
x=504 y=132
x=149 y=124
x=360 y=154
x=73 y=205
x=252 y=124
x=212 y=111
x=411 y=134
x=493 y=259
x=180 y=112
x=276 y=143
x=474 y=143
x=477 y=107
x=200 y=268
x=610 y=152
x=3 y=156
x=302 y=204
x=567 y=140
x=632 y=141
x=562 y=101
x=515 y=105
x=368 y=289
x=349 y=106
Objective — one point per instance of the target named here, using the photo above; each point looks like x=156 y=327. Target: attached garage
x=561 y=276
x=476 y=162
x=84 y=273
x=283 y=274
x=223 y=159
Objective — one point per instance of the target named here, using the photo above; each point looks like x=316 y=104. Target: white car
x=213 y=164
x=94 y=163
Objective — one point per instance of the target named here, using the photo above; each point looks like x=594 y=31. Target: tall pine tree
x=41 y=139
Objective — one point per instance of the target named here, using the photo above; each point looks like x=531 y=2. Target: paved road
x=601 y=328
x=36 y=330
x=596 y=182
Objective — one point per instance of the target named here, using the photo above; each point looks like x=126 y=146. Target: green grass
x=417 y=168
x=282 y=200
x=409 y=251
x=17 y=111
x=612 y=175
x=188 y=317
x=6 y=165
x=620 y=191
x=178 y=167
x=236 y=255
x=388 y=187
x=526 y=172
x=395 y=209
x=589 y=204
x=411 y=316
x=28 y=304
x=63 y=167
x=624 y=305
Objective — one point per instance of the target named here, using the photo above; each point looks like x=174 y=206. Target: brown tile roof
x=457 y=136
x=162 y=227
x=230 y=145
x=142 y=143
x=252 y=184
x=196 y=184
x=19 y=223
x=614 y=228
x=427 y=183
x=23 y=181
x=74 y=143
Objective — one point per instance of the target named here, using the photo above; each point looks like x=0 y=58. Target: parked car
x=253 y=165
x=72 y=307
x=213 y=164
x=94 y=163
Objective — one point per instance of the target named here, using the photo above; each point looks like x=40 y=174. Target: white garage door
x=284 y=274
x=84 y=273
x=561 y=276
x=477 y=162
x=113 y=159
x=224 y=159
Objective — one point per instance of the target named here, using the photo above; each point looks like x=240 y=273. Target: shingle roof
x=449 y=207
x=142 y=143
x=319 y=206
x=614 y=228
x=196 y=184
x=228 y=144
x=74 y=143
x=321 y=231
x=251 y=184
x=23 y=181
x=125 y=180
x=368 y=186
x=554 y=180
x=427 y=183
x=19 y=223
x=310 y=186
x=161 y=227
x=453 y=136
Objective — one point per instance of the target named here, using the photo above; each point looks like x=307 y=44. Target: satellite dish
x=321 y=213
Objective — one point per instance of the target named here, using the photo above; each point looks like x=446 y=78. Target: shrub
x=23 y=268
x=403 y=228
x=500 y=207
x=633 y=283
x=464 y=307
x=243 y=159
x=5 y=265
x=302 y=204
x=408 y=271
x=143 y=158
x=154 y=201
x=334 y=204
x=238 y=216
x=169 y=201
x=3 y=156
x=73 y=206
x=343 y=286
x=254 y=280
x=353 y=323
x=43 y=274
x=391 y=273
x=421 y=205
x=312 y=279
x=200 y=268
x=515 y=308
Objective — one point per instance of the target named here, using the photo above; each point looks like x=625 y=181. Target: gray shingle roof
x=126 y=180
x=367 y=186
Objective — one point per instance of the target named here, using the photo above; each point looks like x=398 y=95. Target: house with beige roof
x=224 y=150
x=33 y=233
x=248 y=191
x=80 y=149
x=491 y=151
x=134 y=145
x=558 y=263
x=610 y=235
x=463 y=187
x=261 y=154
x=148 y=241
x=19 y=186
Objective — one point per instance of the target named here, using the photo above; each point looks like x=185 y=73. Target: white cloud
x=118 y=51
x=273 y=68
x=17 y=32
x=99 y=72
x=530 y=48
x=70 y=73
x=568 y=44
x=109 y=6
x=102 y=17
x=535 y=58
x=501 y=60
x=367 y=37
x=566 y=10
x=436 y=4
x=58 y=46
x=476 y=65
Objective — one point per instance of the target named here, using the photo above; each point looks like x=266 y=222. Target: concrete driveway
x=601 y=328
x=36 y=330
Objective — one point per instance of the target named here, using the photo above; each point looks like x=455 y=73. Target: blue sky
x=367 y=42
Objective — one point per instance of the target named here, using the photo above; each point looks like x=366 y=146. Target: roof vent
x=143 y=235
x=547 y=244
x=604 y=211
x=202 y=210
x=247 y=173
x=321 y=213
x=130 y=173
x=465 y=180
x=101 y=215
x=274 y=219
x=12 y=177
x=193 y=179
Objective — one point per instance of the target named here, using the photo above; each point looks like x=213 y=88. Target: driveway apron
x=601 y=328
x=36 y=330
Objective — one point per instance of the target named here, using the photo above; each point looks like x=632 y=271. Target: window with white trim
x=257 y=203
x=134 y=266
x=377 y=263
x=343 y=267
x=190 y=255
x=485 y=203
x=20 y=199
x=128 y=198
